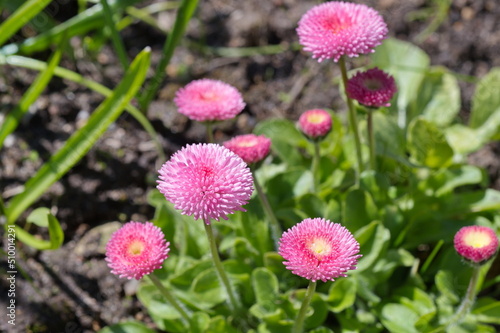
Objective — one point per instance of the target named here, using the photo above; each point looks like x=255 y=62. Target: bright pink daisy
x=209 y=100
x=206 y=181
x=136 y=249
x=250 y=147
x=318 y=249
x=476 y=243
x=373 y=88
x=315 y=123
x=333 y=29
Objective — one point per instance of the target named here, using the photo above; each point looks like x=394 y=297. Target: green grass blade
x=12 y=120
x=20 y=61
x=90 y=19
x=115 y=36
x=56 y=234
x=81 y=141
x=186 y=11
x=21 y=17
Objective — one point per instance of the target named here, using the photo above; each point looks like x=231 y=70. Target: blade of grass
x=91 y=18
x=115 y=36
x=64 y=73
x=144 y=14
x=30 y=96
x=82 y=140
x=56 y=236
x=21 y=17
x=184 y=14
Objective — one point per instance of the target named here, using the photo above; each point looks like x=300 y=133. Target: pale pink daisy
x=136 y=249
x=333 y=29
x=373 y=88
x=207 y=181
x=209 y=100
x=476 y=243
x=317 y=249
x=315 y=123
x=250 y=147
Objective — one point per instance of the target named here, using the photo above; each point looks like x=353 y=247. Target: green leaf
x=389 y=137
x=445 y=285
x=399 y=318
x=428 y=145
x=373 y=239
x=285 y=138
x=127 y=327
x=459 y=176
x=39 y=217
x=486 y=99
x=81 y=141
x=487 y=310
x=29 y=97
x=208 y=289
x=199 y=322
x=218 y=324
x=359 y=210
x=20 y=17
x=265 y=285
x=43 y=218
x=439 y=97
x=463 y=139
x=342 y=294
x=377 y=184
x=318 y=306
x=408 y=64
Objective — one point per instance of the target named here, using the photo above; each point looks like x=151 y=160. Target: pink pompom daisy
x=476 y=243
x=333 y=29
x=206 y=181
x=250 y=147
x=209 y=100
x=318 y=249
x=136 y=249
x=373 y=88
x=315 y=123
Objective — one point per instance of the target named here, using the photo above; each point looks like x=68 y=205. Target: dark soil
x=71 y=289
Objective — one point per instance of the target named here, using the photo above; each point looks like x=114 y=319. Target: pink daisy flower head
x=207 y=181
x=333 y=29
x=136 y=249
x=317 y=249
x=315 y=123
x=250 y=147
x=209 y=100
x=373 y=88
x=476 y=243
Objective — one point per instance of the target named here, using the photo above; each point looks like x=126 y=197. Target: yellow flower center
x=136 y=247
x=319 y=247
x=209 y=96
x=316 y=118
x=247 y=143
x=477 y=239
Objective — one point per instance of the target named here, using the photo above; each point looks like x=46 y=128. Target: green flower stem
x=164 y=291
x=371 y=139
x=299 y=322
x=233 y=301
x=210 y=133
x=274 y=225
x=315 y=165
x=468 y=300
x=352 y=119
